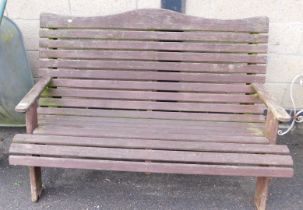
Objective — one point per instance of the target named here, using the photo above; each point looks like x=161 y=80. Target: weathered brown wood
x=145 y=123
x=152 y=115
x=236 y=130
x=107 y=127
x=153 y=91
x=261 y=193
x=143 y=105
x=153 y=155
x=214 y=137
x=34 y=172
x=151 y=144
x=179 y=168
x=277 y=111
x=255 y=136
x=149 y=95
x=154 y=56
x=31 y=119
x=89 y=64
x=32 y=95
x=152 y=124
x=151 y=85
x=145 y=45
x=108 y=34
x=159 y=76
x=155 y=66
x=271 y=127
x=145 y=19
x=35 y=182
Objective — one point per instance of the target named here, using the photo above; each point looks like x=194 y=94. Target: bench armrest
x=278 y=112
x=32 y=95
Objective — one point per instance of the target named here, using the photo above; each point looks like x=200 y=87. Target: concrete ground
x=87 y=189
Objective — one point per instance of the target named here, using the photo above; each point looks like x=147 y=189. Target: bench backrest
x=155 y=60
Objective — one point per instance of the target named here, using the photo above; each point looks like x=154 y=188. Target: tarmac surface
x=88 y=189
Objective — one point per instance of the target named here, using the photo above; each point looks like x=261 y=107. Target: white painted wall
x=285 y=34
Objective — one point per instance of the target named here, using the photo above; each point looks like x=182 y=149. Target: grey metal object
x=15 y=73
x=296 y=114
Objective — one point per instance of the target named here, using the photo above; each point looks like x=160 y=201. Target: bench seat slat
x=151 y=144
x=151 y=115
x=178 y=168
x=254 y=136
x=149 y=123
x=107 y=127
x=153 y=155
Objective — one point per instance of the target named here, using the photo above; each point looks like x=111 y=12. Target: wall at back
x=285 y=58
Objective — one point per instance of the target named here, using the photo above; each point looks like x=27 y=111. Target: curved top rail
x=155 y=19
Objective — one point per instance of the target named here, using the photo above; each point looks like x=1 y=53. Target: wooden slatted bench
x=153 y=91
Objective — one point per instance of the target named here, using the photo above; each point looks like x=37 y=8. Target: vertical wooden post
x=261 y=192
x=34 y=172
x=262 y=185
x=271 y=127
x=35 y=182
x=31 y=118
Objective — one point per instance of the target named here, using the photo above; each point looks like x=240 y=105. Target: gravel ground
x=87 y=189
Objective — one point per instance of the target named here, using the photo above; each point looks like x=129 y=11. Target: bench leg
x=35 y=182
x=261 y=192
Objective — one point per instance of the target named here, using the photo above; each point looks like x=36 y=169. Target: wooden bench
x=153 y=91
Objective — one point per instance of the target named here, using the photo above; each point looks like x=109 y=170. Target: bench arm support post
x=31 y=97
x=31 y=118
x=275 y=113
x=271 y=127
x=278 y=112
x=29 y=105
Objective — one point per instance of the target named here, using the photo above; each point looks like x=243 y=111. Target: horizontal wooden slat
x=147 y=95
x=154 y=35
x=147 y=123
x=151 y=114
x=150 y=144
x=147 y=85
x=148 y=65
x=145 y=45
x=240 y=130
x=154 y=155
x=151 y=19
x=132 y=166
x=153 y=56
x=172 y=135
x=146 y=105
x=159 y=76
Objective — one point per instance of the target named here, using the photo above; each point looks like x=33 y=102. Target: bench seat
x=151 y=145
